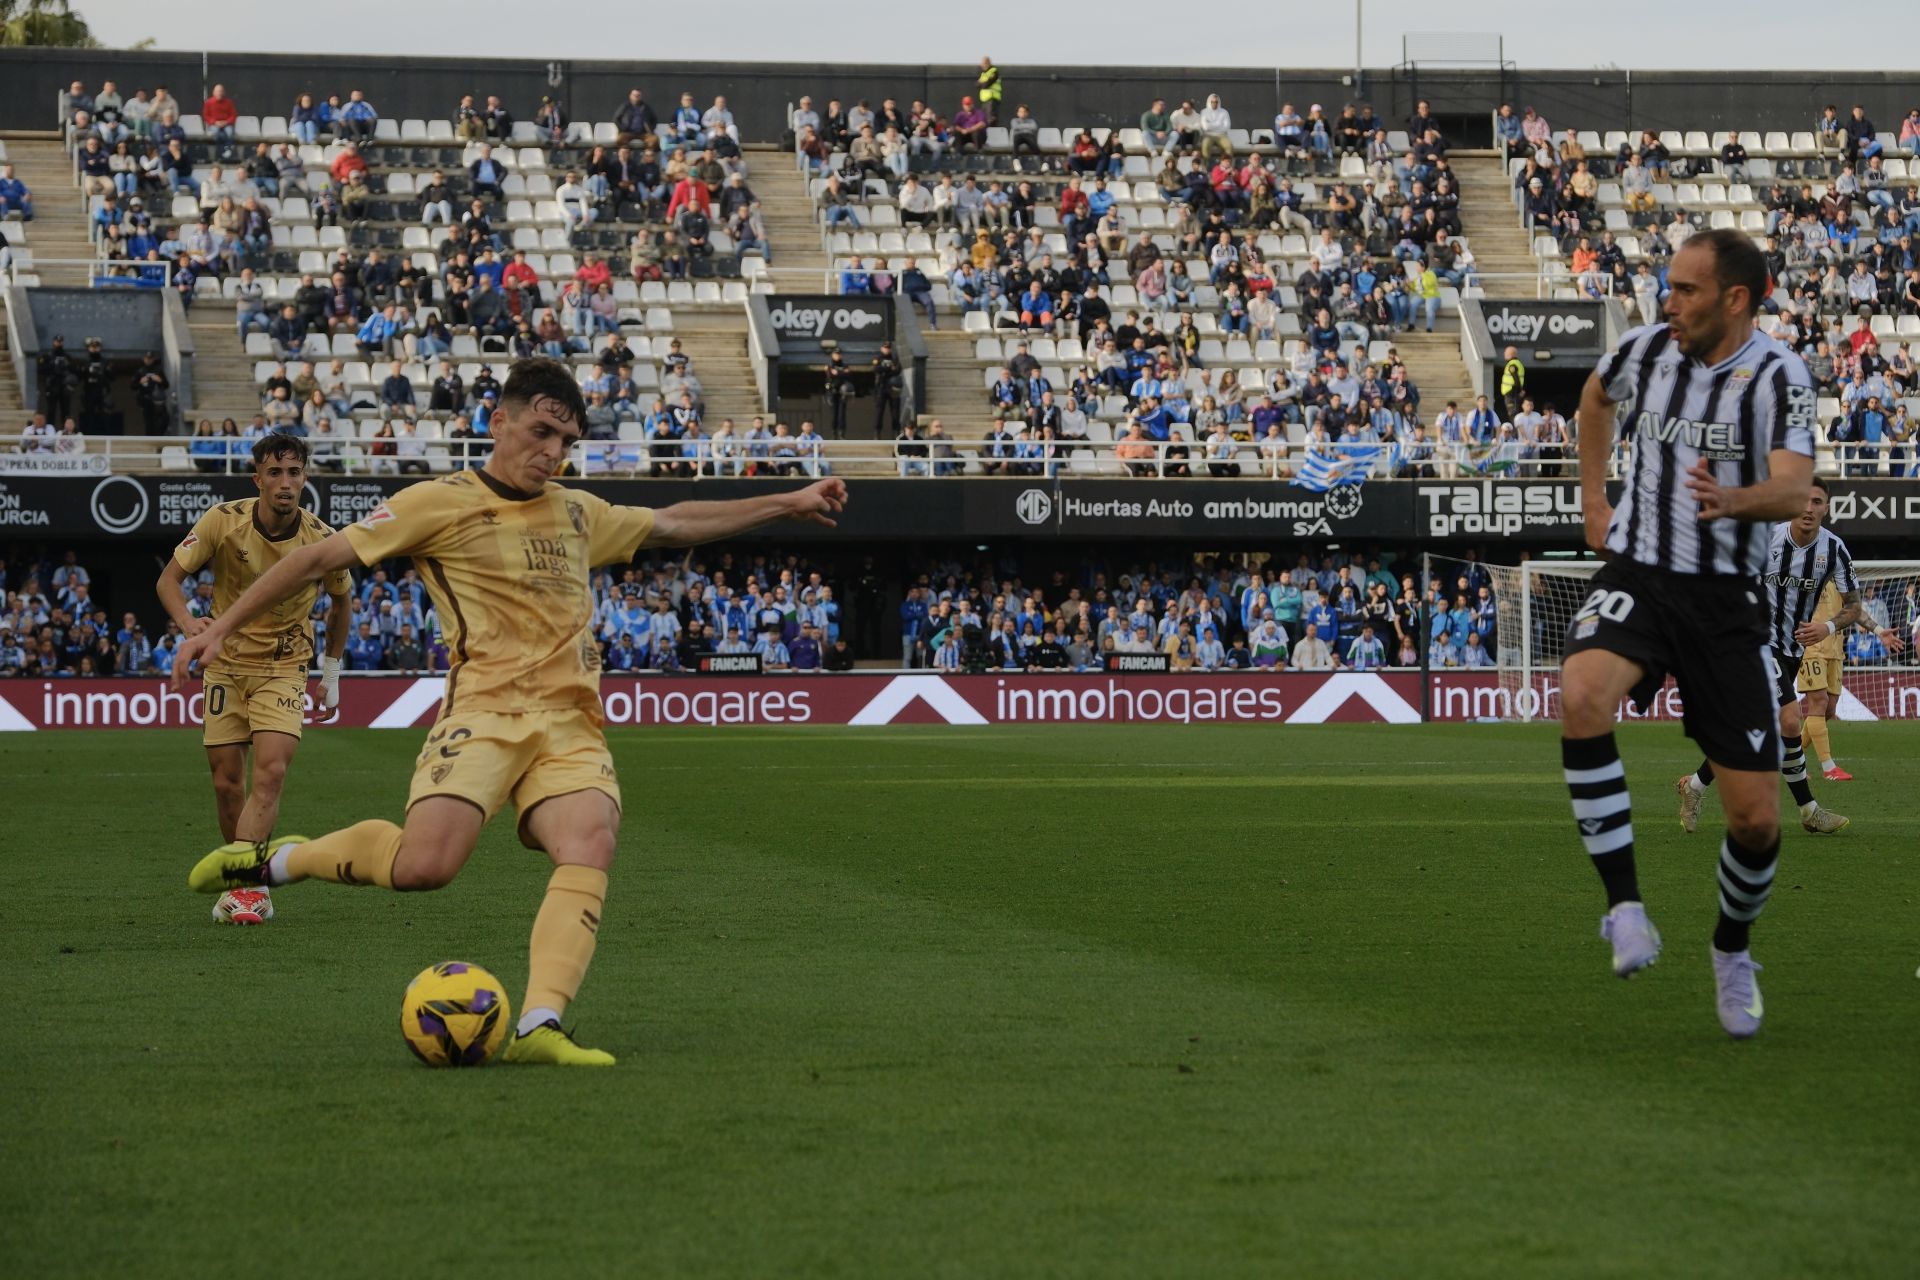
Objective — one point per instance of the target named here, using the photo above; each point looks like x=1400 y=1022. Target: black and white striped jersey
x=1795 y=577
x=1676 y=412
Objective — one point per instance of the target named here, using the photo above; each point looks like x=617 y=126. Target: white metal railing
x=356 y=455
x=26 y=267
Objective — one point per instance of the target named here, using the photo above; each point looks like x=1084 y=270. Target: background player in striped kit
x=1804 y=559
x=1721 y=422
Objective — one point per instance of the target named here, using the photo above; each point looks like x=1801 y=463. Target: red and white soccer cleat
x=243 y=906
x=1836 y=774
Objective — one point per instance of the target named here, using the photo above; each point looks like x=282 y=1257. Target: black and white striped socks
x=1793 y=767
x=1746 y=878
x=1601 y=808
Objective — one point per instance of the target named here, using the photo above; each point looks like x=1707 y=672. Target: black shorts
x=1785 y=671
x=1710 y=633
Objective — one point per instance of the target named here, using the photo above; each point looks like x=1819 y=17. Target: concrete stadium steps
x=793 y=228
x=60 y=222
x=1433 y=362
x=10 y=402
x=1492 y=224
x=717 y=344
x=223 y=385
x=956 y=391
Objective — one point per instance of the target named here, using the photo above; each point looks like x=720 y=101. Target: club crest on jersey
x=376 y=517
x=578 y=515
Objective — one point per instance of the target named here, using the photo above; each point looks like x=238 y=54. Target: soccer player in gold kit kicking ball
x=506 y=557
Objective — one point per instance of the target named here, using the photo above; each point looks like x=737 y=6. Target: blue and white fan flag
x=1351 y=464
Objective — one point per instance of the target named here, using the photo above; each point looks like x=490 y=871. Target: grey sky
x=1636 y=34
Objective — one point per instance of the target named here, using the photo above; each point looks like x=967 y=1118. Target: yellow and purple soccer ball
x=455 y=1015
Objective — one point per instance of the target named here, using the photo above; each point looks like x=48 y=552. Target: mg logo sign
x=1034 y=507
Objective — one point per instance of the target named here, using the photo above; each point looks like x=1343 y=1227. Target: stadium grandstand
x=1192 y=293
x=1229 y=294
x=1054 y=620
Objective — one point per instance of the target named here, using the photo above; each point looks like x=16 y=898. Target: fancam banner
x=793 y=699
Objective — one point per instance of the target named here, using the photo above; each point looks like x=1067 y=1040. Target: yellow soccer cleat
x=240 y=865
x=548 y=1045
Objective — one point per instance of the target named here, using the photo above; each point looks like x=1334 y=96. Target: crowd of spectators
x=658 y=615
x=1205 y=612
x=1208 y=613
x=988 y=231
x=1840 y=234
x=679 y=185
x=1179 y=418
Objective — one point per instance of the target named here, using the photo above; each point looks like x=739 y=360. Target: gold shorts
x=235 y=707
x=489 y=757
x=1817 y=674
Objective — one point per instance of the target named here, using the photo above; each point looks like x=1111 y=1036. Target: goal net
x=1537 y=601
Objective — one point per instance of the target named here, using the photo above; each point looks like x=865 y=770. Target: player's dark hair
x=280 y=444
x=1737 y=263
x=539 y=378
x=1821 y=485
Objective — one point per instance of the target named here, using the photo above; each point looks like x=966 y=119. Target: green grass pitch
x=1086 y=1001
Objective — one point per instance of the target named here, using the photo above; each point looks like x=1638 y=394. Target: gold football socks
x=363 y=853
x=564 y=934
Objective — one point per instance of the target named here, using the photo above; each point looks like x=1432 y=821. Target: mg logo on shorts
x=1033 y=507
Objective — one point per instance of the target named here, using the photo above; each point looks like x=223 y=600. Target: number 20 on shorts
x=1614 y=606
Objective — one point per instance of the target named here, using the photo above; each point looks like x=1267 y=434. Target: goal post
x=1541 y=597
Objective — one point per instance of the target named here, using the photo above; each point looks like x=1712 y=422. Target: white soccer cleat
x=1636 y=943
x=1690 y=798
x=1821 y=820
x=1736 y=992
x=243 y=906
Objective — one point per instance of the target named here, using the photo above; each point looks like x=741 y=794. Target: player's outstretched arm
x=309 y=564
x=1596 y=448
x=686 y=524
x=1781 y=496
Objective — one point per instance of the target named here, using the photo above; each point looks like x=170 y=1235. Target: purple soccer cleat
x=1737 y=994
x=1636 y=943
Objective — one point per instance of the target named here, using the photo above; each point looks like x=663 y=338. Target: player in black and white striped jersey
x=1720 y=419
x=1803 y=557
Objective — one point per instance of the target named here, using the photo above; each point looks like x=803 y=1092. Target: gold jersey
x=1834 y=647
x=279 y=640
x=508 y=573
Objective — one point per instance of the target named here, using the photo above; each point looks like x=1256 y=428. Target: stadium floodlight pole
x=1359 y=9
